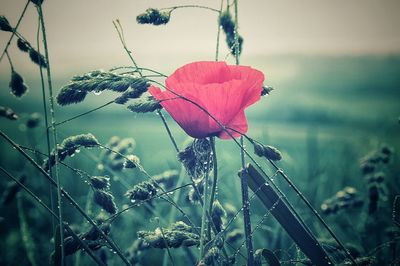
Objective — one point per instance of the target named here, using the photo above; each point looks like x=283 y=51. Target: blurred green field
x=325 y=113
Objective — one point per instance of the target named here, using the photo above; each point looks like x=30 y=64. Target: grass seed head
x=17 y=84
x=145 y=104
x=23 y=45
x=33 y=120
x=269 y=152
x=217 y=215
x=142 y=191
x=100 y=182
x=153 y=16
x=5 y=25
x=106 y=201
x=37 y=58
x=8 y=113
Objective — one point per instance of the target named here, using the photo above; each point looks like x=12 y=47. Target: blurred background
x=334 y=66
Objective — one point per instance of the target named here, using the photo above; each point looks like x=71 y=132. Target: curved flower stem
x=46 y=121
x=215 y=177
x=168 y=130
x=37 y=199
x=189 y=6
x=15 y=30
x=243 y=179
x=10 y=61
x=218 y=32
x=52 y=115
x=85 y=113
x=121 y=36
x=68 y=197
x=204 y=213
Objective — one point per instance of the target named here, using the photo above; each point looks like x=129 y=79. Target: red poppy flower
x=223 y=90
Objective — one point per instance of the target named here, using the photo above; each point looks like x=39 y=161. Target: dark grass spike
x=37 y=58
x=5 y=25
x=67 y=197
x=145 y=104
x=14 y=32
x=66 y=226
x=23 y=45
x=17 y=84
x=8 y=113
x=106 y=201
x=282 y=213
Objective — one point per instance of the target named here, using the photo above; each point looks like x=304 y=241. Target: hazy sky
x=81 y=34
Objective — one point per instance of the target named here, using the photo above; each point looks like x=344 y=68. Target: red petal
x=239 y=126
x=224 y=91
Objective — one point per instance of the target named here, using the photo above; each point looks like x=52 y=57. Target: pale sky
x=81 y=34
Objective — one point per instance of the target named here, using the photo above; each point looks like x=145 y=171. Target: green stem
x=172 y=214
x=243 y=179
x=204 y=212
x=85 y=113
x=67 y=196
x=46 y=121
x=70 y=231
x=218 y=32
x=168 y=130
x=15 y=30
x=190 y=6
x=52 y=115
x=121 y=36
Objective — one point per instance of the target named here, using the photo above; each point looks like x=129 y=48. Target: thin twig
x=52 y=115
x=168 y=130
x=15 y=29
x=82 y=114
x=67 y=196
x=190 y=6
x=46 y=121
x=37 y=199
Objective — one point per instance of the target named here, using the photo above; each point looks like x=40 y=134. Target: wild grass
x=152 y=197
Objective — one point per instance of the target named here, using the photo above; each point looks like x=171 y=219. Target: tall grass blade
x=302 y=236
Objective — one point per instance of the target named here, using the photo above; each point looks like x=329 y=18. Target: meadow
x=327 y=115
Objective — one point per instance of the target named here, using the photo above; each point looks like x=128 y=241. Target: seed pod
x=132 y=161
x=23 y=45
x=5 y=25
x=153 y=16
x=37 y=58
x=100 y=182
x=7 y=112
x=145 y=105
x=105 y=200
x=33 y=121
x=266 y=90
x=269 y=152
x=142 y=191
x=195 y=158
x=17 y=84
x=211 y=255
x=217 y=214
